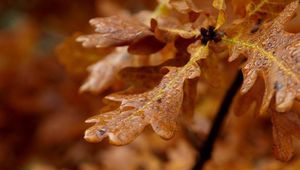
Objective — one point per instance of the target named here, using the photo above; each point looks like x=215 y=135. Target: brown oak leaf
x=104 y=73
x=273 y=54
x=159 y=107
x=197 y=6
x=169 y=28
x=255 y=12
x=141 y=79
x=269 y=8
x=285 y=126
x=250 y=101
x=180 y=5
x=77 y=58
x=115 y=31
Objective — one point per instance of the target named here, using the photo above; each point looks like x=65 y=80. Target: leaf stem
x=205 y=151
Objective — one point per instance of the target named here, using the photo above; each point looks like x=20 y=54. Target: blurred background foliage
x=42 y=113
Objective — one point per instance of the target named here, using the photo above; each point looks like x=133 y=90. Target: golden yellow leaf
x=219 y=4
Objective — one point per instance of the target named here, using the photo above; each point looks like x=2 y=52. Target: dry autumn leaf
x=250 y=101
x=169 y=28
x=75 y=57
x=104 y=73
x=180 y=6
x=221 y=6
x=114 y=31
x=273 y=54
x=158 y=71
x=285 y=126
x=159 y=107
x=185 y=6
x=270 y=8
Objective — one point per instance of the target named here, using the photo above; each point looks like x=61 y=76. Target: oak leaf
x=250 y=101
x=255 y=14
x=197 y=6
x=180 y=5
x=104 y=73
x=168 y=29
x=221 y=6
x=77 y=58
x=141 y=79
x=115 y=31
x=159 y=107
x=285 y=126
x=273 y=54
x=270 y=8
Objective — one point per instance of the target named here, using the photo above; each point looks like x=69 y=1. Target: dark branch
x=206 y=150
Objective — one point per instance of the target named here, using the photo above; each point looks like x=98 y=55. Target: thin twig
x=205 y=151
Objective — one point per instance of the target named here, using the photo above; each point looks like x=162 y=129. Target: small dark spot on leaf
x=161 y=156
x=159 y=100
x=277 y=86
x=255 y=28
x=101 y=132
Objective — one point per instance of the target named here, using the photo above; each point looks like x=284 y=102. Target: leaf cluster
x=165 y=57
